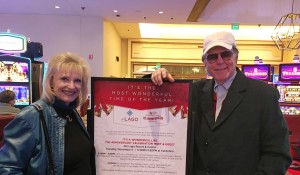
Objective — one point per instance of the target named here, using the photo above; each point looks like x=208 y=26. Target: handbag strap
x=48 y=144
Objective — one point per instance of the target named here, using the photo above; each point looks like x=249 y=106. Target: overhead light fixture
x=192 y=31
x=57 y=7
x=286 y=34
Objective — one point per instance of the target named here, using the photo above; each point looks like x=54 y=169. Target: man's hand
x=161 y=74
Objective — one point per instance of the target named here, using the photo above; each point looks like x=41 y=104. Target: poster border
x=190 y=123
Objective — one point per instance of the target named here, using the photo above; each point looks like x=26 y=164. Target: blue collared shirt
x=221 y=91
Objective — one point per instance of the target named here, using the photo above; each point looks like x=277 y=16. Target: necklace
x=69 y=118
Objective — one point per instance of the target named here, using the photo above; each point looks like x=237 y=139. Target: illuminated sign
x=260 y=72
x=289 y=72
x=235 y=26
x=289 y=93
x=12 y=43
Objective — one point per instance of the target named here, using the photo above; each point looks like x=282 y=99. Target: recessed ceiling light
x=115 y=11
x=161 y=12
x=57 y=7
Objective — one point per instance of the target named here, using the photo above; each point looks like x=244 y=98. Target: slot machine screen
x=14 y=71
x=259 y=72
x=22 y=94
x=289 y=72
x=289 y=93
x=15 y=75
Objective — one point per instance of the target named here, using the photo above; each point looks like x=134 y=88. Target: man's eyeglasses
x=225 y=55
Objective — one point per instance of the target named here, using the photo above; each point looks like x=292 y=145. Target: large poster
x=140 y=128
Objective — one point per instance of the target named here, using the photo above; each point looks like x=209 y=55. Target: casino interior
x=131 y=39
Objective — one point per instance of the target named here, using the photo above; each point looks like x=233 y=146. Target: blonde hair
x=69 y=63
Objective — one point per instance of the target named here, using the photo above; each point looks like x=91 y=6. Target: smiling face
x=66 y=85
x=222 y=68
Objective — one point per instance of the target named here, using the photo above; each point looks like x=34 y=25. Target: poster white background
x=140 y=142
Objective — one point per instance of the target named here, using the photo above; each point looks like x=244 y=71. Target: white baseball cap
x=223 y=39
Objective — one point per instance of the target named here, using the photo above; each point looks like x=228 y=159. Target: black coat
x=250 y=135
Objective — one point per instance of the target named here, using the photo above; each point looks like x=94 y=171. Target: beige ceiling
x=132 y=12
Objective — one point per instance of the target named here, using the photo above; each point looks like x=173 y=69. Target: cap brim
x=217 y=43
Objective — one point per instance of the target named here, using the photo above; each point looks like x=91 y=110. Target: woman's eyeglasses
x=225 y=55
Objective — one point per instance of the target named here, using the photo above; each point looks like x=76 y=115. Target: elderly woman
x=25 y=146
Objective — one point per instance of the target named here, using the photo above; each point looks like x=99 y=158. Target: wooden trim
x=197 y=10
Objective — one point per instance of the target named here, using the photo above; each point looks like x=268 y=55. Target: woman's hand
x=161 y=74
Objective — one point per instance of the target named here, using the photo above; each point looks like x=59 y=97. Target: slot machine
x=288 y=86
x=34 y=52
x=15 y=71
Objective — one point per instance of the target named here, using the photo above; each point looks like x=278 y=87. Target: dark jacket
x=250 y=136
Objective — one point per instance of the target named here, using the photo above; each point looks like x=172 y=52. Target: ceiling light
x=286 y=34
x=161 y=12
x=57 y=7
x=115 y=11
x=191 y=31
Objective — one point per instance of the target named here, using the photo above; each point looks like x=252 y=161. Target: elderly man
x=239 y=127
